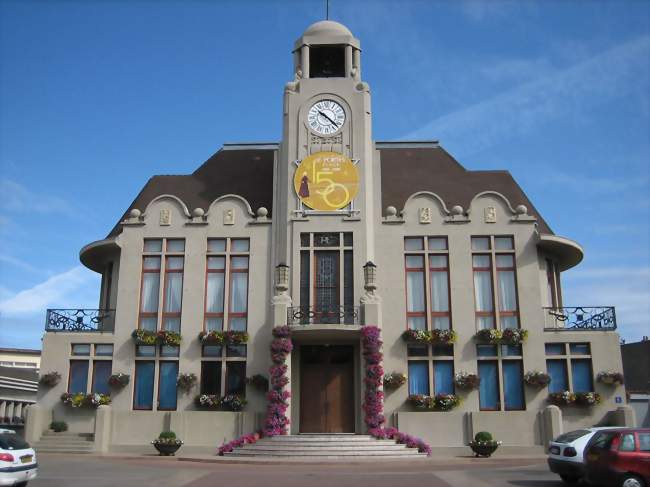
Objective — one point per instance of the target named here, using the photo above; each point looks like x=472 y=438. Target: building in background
x=329 y=231
x=636 y=367
x=19 y=370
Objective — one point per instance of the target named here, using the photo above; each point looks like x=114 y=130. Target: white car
x=17 y=460
x=565 y=453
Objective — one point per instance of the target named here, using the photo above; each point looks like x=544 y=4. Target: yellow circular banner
x=326 y=181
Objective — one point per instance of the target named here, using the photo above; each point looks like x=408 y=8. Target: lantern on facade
x=370 y=276
x=282 y=277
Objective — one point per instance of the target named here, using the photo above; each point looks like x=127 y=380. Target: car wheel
x=21 y=484
x=571 y=479
x=630 y=480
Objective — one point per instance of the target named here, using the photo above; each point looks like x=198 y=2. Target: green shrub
x=167 y=435
x=59 y=426
x=483 y=436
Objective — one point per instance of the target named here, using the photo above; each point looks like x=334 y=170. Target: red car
x=619 y=457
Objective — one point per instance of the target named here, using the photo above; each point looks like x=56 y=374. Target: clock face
x=326 y=117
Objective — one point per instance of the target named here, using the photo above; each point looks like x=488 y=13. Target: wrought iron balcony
x=323 y=315
x=587 y=318
x=80 y=320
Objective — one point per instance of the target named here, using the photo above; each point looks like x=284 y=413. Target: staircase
x=65 y=442
x=326 y=446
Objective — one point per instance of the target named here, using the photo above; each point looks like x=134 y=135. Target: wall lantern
x=370 y=276
x=282 y=277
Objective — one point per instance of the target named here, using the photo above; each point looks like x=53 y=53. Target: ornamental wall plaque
x=326 y=181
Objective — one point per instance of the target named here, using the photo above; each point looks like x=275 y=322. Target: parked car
x=565 y=453
x=17 y=460
x=619 y=457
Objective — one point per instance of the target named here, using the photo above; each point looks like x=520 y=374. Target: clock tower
x=324 y=173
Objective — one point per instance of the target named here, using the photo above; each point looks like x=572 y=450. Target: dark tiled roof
x=244 y=172
x=248 y=172
x=405 y=171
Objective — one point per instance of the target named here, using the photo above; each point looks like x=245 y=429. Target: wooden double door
x=327 y=389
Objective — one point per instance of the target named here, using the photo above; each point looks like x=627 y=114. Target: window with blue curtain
x=513 y=391
x=101 y=373
x=419 y=377
x=78 y=376
x=143 y=393
x=167 y=385
x=557 y=371
x=443 y=375
x=581 y=372
x=489 y=388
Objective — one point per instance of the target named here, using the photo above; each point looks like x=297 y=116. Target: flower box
x=509 y=336
x=466 y=381
x=228 y=337
x=230 y=402
x=394 y=380
x=610 y=378
x=81 y=400
x=537 y=379
x=439 y=402
x=567 y=398
x=440 y=337
x=161 y=337
x=119 y=380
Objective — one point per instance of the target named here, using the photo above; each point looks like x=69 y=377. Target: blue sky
x=95 y=97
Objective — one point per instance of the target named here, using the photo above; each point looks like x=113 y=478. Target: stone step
x=79 y=439
x=320 y=453
x=67 y=434
x=307 y=444
x=74 y=451
x=334 y=448
x=320 y=437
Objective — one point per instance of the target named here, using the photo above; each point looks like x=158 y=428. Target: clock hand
x=331 y=121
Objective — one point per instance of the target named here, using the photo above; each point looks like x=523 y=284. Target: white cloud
x=626 y=288
x=611 y=74
x=595 y=184
x=72 y=288
x=18 y=199
x=21 y=264
x=480 y=10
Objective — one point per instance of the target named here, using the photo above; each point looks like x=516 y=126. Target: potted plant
x=466 y=381
x=167 y=444
x=394 y=380
x=118 y=380
x=258 y=381
x=483 y=444
x=610 y=378
x=537 y=379
x=233 y=402
x=207 y=401
x=185 y=382
x=50 y=379
x=58 y=426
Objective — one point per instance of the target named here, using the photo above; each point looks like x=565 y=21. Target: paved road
x=84 y=471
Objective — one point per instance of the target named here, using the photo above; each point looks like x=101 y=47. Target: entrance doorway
x=327 y=389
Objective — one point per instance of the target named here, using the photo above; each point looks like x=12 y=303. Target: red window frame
x=484 y=269
x=208 y=271
x=142 y=314
x=232 y=271
x=407 y=269
x=438 y=314
x=168 y=271
x=513 y=268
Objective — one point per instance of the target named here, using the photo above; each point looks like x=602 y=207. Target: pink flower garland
x=373 y=404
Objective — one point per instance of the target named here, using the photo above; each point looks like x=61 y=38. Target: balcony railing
x=587 y=318
x=317 y=315
x=80 y=320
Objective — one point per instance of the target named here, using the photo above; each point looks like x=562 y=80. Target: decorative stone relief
x=490 y=214
x=425 y=215
x=229 y=216
x=165 y=217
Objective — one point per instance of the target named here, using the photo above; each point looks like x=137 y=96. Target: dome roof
x=327 y=28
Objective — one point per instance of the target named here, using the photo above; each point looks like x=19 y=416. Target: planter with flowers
x=50 y=379
x=161 y=337
x=536 y=378
x=167 y=444
x=228 y=337
x=483 y=444
x=81 y=400
x=587 y=398
x=439 y=402
x=394 y=380
x=186 y=382
x=207 y=401
x=466 y=381
x=119 y=380
x=567 y=398
x=610 y=378
x=233 y=402
x=509 y=336
x=259 y=382
x=436 y=337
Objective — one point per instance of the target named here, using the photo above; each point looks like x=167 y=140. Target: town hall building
x=327 y=232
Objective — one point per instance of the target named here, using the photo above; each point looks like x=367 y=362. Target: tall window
x=427 y=283
x=500 y=369
x=227 y=262
x=570 y=371
x=430 y=369
x=172 y=292
x=151 y=360
x=223 y=369
x=90 y=365
x=493 y=264
x=326 y=277
x=553 y=287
